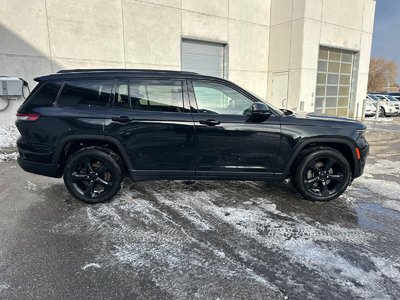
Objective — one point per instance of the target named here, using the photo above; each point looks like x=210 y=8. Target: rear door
x=230 y=143
x=150 y=120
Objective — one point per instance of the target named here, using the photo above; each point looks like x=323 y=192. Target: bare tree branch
x=382 y=74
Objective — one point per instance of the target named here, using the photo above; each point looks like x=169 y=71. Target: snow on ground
x=380 y=119
x=8 y=156
x=8 y=136
x=383 y=166
x=91 y=265
x=174 y=233
x=31 y=186
x=4 y=287
x=395 y=205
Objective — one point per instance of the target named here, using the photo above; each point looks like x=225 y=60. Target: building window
x=334 y=77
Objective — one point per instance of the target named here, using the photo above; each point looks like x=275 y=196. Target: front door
x=149 y=119
x=229 y=143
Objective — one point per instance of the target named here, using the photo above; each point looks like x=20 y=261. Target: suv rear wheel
x=92 y=176
x=322 y=175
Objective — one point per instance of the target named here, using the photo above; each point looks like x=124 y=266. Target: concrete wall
x=300 y=27
x=264 y=38
x=42 y=36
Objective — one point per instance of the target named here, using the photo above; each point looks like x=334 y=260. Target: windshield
x=373 y=97
x=391 y=98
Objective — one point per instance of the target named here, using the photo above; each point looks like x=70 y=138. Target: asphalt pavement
x=204 y=240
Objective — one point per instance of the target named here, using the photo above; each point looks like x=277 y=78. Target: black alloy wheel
x=323 y=175
x=92 y=176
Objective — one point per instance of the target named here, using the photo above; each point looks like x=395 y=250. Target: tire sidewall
x=93 y=153
x=323 y=153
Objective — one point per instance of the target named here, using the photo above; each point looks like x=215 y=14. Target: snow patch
x=380 y=119
x=383 y=166
x=274 y=232
x=4 y=287
x=31 y=186
x=331 y=265
x=188 y=211
x=8 y=136
x=91 y=265
x=392 y=204
x=8 y=156
x=387 y=189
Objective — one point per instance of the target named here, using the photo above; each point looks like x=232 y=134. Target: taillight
x=28 y=117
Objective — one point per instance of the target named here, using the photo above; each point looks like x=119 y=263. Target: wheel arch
x=345 y=146
x=70 y=144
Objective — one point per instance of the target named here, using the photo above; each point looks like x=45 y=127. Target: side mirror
x=259 y=109
x=287 y=112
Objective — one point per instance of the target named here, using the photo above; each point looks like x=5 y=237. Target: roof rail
x=124 y=70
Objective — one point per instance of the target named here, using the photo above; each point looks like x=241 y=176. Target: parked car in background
x=394 y=94
x=386 y=108
x=93 y=127
x=370 y=109
x=392 y=100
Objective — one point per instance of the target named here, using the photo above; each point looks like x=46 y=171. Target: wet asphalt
x=204 y=240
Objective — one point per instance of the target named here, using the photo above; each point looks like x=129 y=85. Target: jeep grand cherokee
x=93 y=127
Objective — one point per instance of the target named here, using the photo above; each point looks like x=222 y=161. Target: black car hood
x=323 y=120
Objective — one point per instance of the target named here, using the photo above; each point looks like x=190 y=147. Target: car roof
x=100 y=73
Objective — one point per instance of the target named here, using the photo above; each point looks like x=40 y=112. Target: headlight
x=361 y=133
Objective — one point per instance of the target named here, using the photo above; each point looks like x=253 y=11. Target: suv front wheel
x=322 y=175
x=92 y=176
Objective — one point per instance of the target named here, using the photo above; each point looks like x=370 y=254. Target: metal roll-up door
x=203 y=57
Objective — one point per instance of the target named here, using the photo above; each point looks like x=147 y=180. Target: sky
x=386 y=39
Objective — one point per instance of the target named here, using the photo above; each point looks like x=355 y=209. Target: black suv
x=93 y=127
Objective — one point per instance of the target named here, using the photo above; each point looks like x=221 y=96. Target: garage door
x=203 y=57
x=335 y=71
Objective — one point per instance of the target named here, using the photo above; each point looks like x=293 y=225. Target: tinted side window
x=156 y=95
x=85 y=93
x=45 y=94
x=215 y=98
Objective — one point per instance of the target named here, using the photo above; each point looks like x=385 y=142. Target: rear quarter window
x=44 y=95
x=88 y=93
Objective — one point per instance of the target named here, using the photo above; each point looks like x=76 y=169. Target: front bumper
x=363 y=146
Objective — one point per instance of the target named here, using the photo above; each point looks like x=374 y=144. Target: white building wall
x=43 y=36
x=264 y=37
x=310 y=24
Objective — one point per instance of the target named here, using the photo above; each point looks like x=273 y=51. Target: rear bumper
x=39 y=168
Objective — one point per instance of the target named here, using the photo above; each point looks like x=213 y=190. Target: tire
x=322 y=175
x=92 y=176
x=382 y=112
